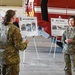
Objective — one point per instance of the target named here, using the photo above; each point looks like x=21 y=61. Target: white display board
x=1 y=20
x=28 y=26
x=58 y=26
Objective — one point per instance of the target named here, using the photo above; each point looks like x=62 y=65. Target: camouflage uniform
x=15 y=43
x=69 y=49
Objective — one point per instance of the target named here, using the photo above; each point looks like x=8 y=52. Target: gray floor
x=43 y=64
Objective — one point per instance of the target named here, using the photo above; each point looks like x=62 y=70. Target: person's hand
x=68 y=41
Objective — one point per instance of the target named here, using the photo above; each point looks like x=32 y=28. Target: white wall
x=3 y=9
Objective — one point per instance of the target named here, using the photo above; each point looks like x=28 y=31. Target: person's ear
x=12 y=18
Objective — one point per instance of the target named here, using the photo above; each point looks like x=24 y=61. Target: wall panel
x=10 y=2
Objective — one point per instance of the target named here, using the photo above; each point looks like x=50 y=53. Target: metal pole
x=36 y=48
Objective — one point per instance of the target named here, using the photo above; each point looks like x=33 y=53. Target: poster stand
x=28 y=27
x=24 y=38
x=35 y=49
x=58 y=25
x=54 y=40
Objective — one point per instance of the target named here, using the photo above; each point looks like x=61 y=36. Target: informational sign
x=58 y=25
x=28 y=26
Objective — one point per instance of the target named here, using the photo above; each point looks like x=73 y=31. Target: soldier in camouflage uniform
x=14 y=44
x=68 y=40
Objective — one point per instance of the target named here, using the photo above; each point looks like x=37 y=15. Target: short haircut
x=72 y=17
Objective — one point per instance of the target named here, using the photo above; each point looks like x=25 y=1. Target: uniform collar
x=72 y=28
x=10 y=23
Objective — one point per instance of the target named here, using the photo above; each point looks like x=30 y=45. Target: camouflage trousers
x=69 y=63
x=10 y=69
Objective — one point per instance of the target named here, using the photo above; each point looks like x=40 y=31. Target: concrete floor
x=40 y=62
x=43 y=64
x=43 y=67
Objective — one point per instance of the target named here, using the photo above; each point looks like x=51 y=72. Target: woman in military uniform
x=68 y=40
x=14 y=44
